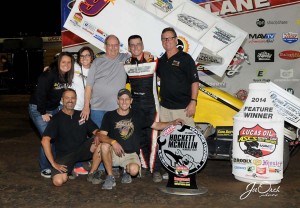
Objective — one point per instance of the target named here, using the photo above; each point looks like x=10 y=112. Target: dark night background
x=30 y=18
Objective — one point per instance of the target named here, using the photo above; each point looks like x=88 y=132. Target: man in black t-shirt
x=70 y=134
x=120 y=136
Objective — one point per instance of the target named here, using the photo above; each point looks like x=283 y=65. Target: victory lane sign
x=183 y=152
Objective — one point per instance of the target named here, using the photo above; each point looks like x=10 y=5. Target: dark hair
x=134 y=37
x=69 y=89
x=169 y=29
x=67 y=77
x=110 y=36
x=85 y=48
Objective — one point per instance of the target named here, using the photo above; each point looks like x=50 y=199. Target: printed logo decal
x=236 y=63
x=290 y=37
x=257 y=141
x=182 y=150
x=264 y=55
x=92 y=8
x=289 y=54
x=182 y=44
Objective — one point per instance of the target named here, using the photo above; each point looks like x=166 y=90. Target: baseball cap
x=123 y=92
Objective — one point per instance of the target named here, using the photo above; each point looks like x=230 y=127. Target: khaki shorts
x=125 y=160
x=170 y=115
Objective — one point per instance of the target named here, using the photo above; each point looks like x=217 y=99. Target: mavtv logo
x=262 y=36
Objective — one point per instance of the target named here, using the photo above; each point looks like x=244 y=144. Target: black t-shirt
x=69 y=132
x=125 y=129
x=177 y=75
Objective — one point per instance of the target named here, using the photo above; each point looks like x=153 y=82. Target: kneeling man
x=120 y=136
x=71 y=135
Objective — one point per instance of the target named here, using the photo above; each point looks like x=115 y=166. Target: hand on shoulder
x=148 y=56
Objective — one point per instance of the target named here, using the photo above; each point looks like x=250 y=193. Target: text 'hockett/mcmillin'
x=182 y=141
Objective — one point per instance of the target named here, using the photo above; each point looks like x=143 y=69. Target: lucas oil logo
x=257 y=141
x=182 y=150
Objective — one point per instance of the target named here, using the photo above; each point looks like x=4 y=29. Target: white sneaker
x=46 y=173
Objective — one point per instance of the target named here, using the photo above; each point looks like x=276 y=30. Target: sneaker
x=156 y=177
x=46 y=173
x=109 y=183
x=116 y=172
x=165 y=176
x=80 y=171
x=145 y=173
x=95 y=177
x=87 y=165
x=126 y=178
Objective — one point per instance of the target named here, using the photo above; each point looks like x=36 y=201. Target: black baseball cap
x=123 y=92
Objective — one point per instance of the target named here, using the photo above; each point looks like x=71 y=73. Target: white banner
x=269 y=53
x=196 y=28
x=122 y=19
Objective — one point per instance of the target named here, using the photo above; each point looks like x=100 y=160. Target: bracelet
x=114 y=141
x=194 y=100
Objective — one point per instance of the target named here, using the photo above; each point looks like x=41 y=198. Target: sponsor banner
x=265 y=30
x=122 y=18
x=196 y=27
x=231 y=7
x=258 y=138
x=265 y=33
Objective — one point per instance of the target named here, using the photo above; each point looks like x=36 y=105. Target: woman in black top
x=45 y=101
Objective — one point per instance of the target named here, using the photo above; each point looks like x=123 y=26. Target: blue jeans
x=97 y=116
x=41 y=125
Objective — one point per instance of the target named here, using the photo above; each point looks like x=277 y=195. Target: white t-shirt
x=78 y=84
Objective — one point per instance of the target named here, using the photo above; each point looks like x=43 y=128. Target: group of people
x=101 y=120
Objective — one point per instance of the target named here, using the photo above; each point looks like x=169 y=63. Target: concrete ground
x=22 y=186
